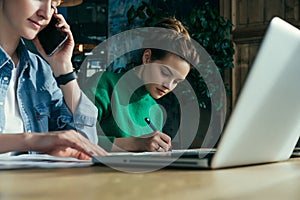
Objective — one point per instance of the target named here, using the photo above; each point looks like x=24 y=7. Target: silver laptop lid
x=265 y=124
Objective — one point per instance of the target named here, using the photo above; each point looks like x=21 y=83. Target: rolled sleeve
x=85 y=118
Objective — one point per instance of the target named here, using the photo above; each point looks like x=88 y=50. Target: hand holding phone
x=51 y=37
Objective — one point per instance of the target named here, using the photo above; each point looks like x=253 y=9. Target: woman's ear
x=147 y=56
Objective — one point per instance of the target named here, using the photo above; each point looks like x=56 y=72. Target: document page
x=40 y=161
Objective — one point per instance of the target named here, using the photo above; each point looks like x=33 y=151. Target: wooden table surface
x=269 y=181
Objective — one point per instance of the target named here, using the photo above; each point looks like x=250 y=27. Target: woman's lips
x=35 y=24
x=161 y=92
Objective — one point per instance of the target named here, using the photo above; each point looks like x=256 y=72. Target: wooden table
x=269 y=181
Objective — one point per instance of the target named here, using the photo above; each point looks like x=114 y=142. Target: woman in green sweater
x=124 y=100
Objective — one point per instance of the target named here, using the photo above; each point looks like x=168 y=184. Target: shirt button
x=5 y=78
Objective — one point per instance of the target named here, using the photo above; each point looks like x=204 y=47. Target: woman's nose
x=45 y=10
x=168 y=85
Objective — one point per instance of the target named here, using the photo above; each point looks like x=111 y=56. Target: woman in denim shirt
x=32 y=100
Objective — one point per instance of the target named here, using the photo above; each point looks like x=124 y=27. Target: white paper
x=26 y=161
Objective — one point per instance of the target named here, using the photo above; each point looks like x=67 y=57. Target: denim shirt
x=41 y=104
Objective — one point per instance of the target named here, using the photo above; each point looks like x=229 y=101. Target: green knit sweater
x=123 y=103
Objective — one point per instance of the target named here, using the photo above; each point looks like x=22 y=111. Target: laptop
x=264 y=126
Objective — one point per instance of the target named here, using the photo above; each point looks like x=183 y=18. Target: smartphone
x=51 y=37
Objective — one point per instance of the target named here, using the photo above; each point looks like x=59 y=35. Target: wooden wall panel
x=291 y=11
x=239 y=74
x=251 y=18
x=255 y=11
x=242 y=12
x=274 y=8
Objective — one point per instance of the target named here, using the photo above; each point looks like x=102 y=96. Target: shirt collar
x=22 y=52
x=4 y=57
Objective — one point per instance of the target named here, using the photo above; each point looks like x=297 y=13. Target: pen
x=153 y=128
x=150 y=124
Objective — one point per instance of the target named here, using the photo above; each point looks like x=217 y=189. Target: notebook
x=264 y=126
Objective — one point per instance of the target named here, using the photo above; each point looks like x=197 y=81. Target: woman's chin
x=156 y=96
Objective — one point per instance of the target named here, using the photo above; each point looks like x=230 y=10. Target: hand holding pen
x=163 y=142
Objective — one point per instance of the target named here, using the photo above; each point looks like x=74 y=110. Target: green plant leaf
x=130 y=14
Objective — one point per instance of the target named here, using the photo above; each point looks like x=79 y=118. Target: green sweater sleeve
x=120 y=117
x=99 y=90
x=106 y=142
x=102 y=101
